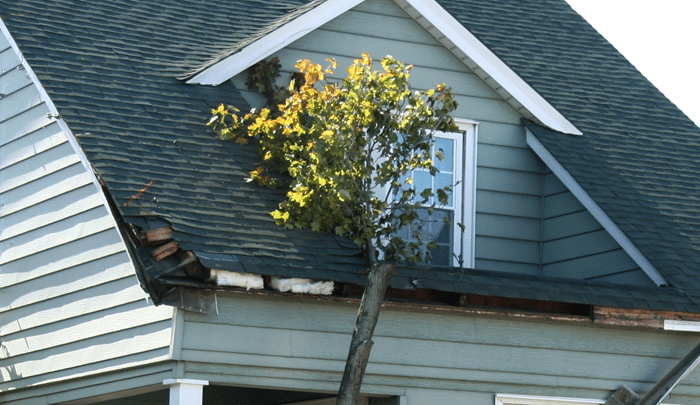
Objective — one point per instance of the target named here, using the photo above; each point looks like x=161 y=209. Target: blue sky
x=660 y=37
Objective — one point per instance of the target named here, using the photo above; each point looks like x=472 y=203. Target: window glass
x=457 y=169
x=438 y=226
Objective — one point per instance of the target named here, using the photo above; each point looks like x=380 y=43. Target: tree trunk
x=361 y=344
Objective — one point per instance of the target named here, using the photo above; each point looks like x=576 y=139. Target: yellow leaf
x=366 y=60
x=301 y=65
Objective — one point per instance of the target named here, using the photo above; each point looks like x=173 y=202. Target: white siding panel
x=44 y=189
x=61 y=257
x=13 y=80
x=58 y=234
x=89 y=300
x=48 y=212
x=8 y=60
x=24 y=123
x=67 y=281
x=70 y=302
x=84 y=327
x=28 y=170
x=30 y=144
x=93 y=350
x=19 y=102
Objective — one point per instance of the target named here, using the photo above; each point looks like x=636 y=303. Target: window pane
x=447 y=147
x=444 y=180
x=439 y=231
x=441 y=256
x=422 y=180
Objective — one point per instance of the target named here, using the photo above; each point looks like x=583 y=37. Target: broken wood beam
x=164 y=251
x=153 y=236
x=623 y=396
x=664 y=387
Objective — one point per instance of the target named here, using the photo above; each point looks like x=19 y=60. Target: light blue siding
x=575 y=245
x=70 y=303
x=271 y=341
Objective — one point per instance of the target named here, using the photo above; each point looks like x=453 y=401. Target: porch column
x=185 y=392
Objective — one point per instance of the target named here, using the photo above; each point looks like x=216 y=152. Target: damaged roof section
x=186 y=278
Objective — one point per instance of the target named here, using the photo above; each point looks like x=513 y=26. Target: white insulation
x=302 y=286
x=230 y=278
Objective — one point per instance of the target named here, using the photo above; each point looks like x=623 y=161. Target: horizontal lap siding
x=575 y=245
x=70 y=302
x=301 y=343
x=509 y=175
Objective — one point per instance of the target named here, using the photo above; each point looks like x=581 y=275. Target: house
x=125 y=222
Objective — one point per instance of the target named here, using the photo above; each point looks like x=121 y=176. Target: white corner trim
x=493 y=66
x=272 y=42
x=72 y=140
x=594 y=209
x=681 y=326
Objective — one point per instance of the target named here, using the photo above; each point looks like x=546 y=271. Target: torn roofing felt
x=111 y=69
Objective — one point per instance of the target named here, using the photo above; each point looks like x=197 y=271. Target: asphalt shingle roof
x=112 y=69
x=637 y=157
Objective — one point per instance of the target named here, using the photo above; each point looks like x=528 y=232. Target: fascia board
x=493 y=66
x=70 y=136
x=681 y=326
x=595 y=210
x=272 y=42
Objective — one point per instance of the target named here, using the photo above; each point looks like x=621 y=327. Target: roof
x=112 y=70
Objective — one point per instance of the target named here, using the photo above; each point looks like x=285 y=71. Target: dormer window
x=450 y=226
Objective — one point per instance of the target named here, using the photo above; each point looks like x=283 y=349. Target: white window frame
x=464 y=193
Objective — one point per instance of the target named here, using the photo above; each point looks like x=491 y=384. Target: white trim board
x=432 y=12
x=595 y=210
x=681 y=326
x=509 y=399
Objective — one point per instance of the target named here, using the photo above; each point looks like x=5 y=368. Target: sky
x=660 y=37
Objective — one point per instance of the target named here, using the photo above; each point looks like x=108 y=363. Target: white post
x=185 y=392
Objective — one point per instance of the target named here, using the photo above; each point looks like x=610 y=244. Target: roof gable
x=428 y=13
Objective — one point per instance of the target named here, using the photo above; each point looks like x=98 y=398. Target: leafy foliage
x=349 y=148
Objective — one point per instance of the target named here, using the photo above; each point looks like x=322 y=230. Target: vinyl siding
x=272 y=341
x=70 y=303
x=575 y=245
x=509 y=175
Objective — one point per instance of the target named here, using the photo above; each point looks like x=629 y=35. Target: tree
x=349 y=150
